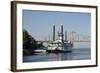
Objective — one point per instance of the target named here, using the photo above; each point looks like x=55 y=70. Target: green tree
x=29 y=43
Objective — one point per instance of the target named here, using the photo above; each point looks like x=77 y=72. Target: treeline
x=30 y=44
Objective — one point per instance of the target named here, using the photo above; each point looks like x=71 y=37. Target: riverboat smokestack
x=53 y=32
x=62 y=31
x=65 y=35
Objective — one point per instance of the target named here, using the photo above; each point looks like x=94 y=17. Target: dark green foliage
x=29 y=44
x=28 y=41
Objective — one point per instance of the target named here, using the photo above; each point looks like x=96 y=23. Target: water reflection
x=79 y=52
x=76 y=54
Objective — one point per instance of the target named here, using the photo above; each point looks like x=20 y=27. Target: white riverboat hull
x=66 y=48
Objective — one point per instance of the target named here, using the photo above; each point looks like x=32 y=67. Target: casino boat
x=59 y=45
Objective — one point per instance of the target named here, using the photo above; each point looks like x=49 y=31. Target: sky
x=39 y=23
